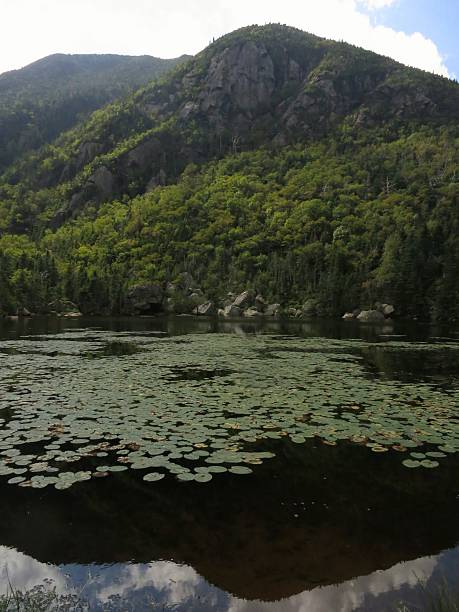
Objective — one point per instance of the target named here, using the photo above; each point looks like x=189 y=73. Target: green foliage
x=40 y=101
x=343 y=216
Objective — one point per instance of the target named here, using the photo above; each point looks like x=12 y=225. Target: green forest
x=329 y=195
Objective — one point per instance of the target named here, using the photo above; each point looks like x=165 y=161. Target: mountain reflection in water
x=170 y=585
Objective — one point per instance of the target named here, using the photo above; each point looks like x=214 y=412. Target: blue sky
x=420 y=33
x=437 y=20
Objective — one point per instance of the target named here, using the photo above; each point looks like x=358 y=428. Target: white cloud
x=35 y=28
x=377 y=4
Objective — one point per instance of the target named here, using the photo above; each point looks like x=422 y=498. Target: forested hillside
x=311 y=171
x=51 y=95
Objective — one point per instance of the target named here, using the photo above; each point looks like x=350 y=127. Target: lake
x=202 y=465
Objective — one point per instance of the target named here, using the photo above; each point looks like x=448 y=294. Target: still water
x=322 y=525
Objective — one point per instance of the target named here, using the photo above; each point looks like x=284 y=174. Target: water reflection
x=178 y=325
x=318 y=529
x=169 y=585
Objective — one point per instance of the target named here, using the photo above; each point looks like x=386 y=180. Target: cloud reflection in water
x=170 y=584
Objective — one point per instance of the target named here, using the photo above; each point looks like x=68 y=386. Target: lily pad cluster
x=67 y=418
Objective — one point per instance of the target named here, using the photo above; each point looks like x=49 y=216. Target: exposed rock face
x=144 y=299
x=371 y=316
x=242 y=74
x=104 y=182
x=88 y=151
x=101 y=186
x=277 y=86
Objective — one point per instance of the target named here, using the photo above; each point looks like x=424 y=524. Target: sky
x=420 y=33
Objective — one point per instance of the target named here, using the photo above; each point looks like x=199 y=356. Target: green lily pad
x=153 y=477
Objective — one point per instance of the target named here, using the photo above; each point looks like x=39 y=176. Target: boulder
x=72 y=315
x=252 y=312
x=309 y=308
x=64 y=307
x=348 y=316
x=272 y=310
x=169 y=305
x=296 y=313
x=24 y=312
x=260 y=303
x=206 y=310
x=144 y=299
x=232 y=311
x=244 y=300
x=387 y=309
x=371 y=316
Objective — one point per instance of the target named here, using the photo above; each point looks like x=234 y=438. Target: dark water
x=318 y=528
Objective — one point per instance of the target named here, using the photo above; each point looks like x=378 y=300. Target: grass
x=42 y=598
x=441 y=598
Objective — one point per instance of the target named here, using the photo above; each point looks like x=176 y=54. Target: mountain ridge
x=41 y=100
x=256 y=86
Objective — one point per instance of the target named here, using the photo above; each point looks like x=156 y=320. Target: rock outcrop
x=144 y=300
x=207 y=309
x=371 y=316
x=232 y=311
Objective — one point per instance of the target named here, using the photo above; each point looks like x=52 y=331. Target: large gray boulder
x=244 y=299
x=232 y=311
x=252 y=312
x=144 y=299
x=371 y=316
x=309 y=308
x=260 y=303
x=387 y=309
x=206 y=310
x=272 y=310
x=24 y=312
x=64 y=307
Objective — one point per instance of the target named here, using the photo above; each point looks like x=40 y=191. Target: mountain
x=51 y=95
x=313 y=171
